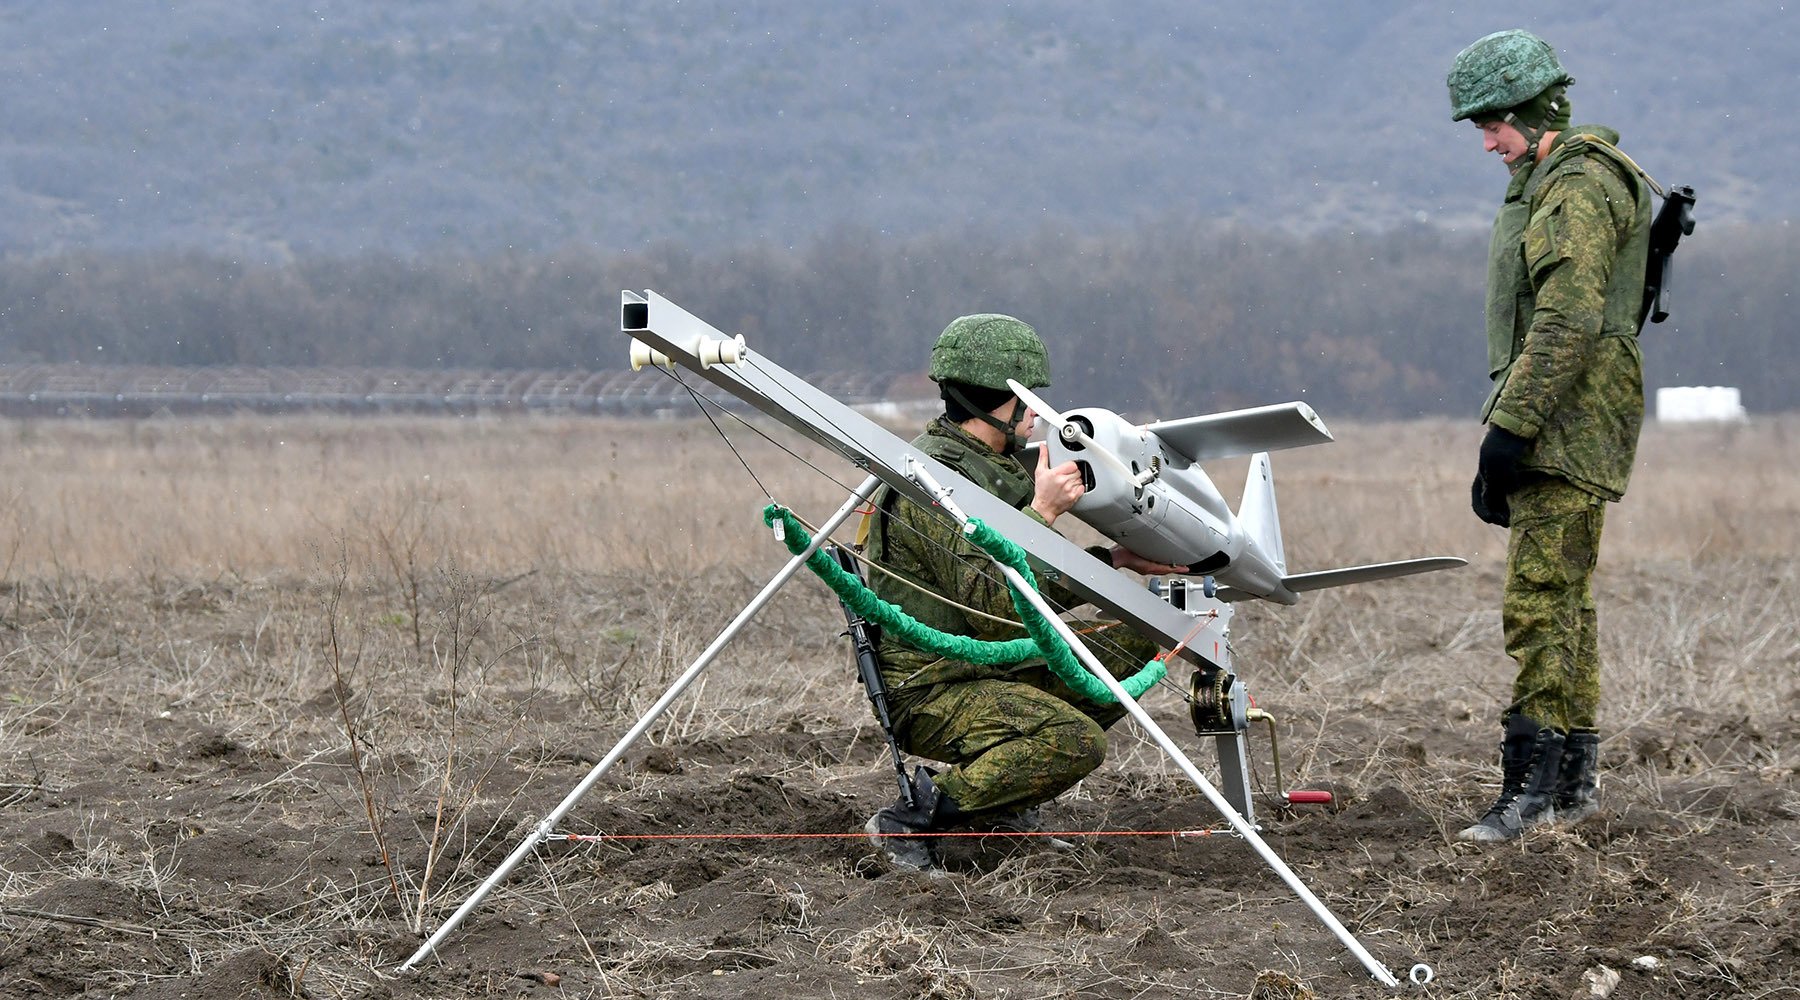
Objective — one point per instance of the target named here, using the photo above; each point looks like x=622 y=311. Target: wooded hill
x=465 y=126
x=1200 y=205
x=1169 y=318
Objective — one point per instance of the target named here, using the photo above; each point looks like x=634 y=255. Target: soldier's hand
x=1491 y=511
x=1124 y=558
x=1058 y=487
x=1499 y=473
x=1502 y=451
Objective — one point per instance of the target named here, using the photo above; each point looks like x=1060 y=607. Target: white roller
x=643 y=356
x=717 y=351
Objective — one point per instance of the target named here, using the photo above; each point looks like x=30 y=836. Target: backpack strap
x=1620 y=155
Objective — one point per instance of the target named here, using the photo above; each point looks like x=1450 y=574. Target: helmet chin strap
x=1532 y=135
x=1014 y=440
x=1009 y=429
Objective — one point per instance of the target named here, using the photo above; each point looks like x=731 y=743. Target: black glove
x=1478 y=502
x=1498 y=474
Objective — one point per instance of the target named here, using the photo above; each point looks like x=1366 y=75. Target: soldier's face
x=1027 y=420
x=1004 y=413
x=1503 y=140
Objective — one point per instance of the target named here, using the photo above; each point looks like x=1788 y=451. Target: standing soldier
x=1014 y=735
x=1564 y=289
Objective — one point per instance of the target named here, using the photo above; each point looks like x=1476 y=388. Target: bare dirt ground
x=244 y=785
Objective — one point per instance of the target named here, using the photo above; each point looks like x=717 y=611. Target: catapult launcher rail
x=1191 y=619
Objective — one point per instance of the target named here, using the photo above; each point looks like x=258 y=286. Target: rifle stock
x=1674 y=220
x=863 y=641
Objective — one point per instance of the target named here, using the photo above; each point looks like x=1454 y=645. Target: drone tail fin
x=1261 y=524
x=1259 y=516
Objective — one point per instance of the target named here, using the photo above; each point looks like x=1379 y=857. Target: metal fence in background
x=77 y=390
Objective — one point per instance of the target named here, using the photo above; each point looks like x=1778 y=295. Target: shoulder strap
x=1620 y=156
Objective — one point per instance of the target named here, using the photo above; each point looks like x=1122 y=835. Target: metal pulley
x=1218 y=702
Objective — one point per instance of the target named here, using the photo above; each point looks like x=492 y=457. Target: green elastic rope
x=1043 y=641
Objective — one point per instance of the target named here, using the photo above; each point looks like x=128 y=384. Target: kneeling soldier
x=1014 y=736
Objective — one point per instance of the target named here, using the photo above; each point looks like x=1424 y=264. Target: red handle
x=1309 y=796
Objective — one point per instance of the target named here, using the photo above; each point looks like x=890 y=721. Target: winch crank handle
x=1302 y=796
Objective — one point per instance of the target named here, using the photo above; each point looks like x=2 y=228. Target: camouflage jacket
x=1565 y=283
x=929 y=550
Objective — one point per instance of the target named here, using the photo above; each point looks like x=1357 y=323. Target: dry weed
x=495 y=605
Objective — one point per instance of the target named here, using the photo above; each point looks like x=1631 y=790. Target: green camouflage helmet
x=1500 y=71
x=986 y=349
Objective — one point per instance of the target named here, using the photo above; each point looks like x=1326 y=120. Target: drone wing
x=1242 y=432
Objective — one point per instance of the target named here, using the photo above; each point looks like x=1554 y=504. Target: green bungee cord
x=1043 y=640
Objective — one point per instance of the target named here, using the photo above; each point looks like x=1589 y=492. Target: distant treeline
x=1166 y=319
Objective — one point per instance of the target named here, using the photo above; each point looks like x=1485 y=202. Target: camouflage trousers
x=1018 y=740
x=1547 y=612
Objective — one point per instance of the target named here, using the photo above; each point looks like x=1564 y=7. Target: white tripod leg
x=548 y=824
x=1232 y=817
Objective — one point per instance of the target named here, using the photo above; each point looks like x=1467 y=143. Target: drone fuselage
x=1168 y=509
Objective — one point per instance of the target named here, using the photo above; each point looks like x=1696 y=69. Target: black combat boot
x=1530 y=756
x=1577 y=783
x=894 y=829
x=1028 y=822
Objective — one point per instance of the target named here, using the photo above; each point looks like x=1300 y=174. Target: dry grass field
x=276 y=694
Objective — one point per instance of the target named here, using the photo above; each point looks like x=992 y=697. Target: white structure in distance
x=1695 y=403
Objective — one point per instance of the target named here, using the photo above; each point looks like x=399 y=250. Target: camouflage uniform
x=1548 y=608
x=1565 y=283
x=1014 y=735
